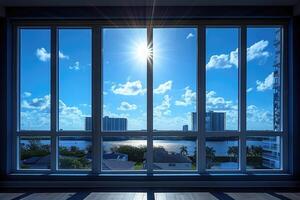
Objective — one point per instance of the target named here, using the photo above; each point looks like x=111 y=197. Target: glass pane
x=174 y=83
x=124 y=62
x=174 y=153
x=34 y=79
x=75 y=53
x=221 y=79
x=264 y=60
x=263 y=152
x=124 y=153
x=34 y=152
x=222 y=153
x=75 y=152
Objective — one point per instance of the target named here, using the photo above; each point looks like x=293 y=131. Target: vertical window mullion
x=96 y=97
x=54 y=98
x=242 y=94
x=16 y=108
x=201 y=99
x=150 y=102
x=284 y=72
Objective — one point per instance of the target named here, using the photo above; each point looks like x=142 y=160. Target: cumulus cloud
x=27 y=94
x=163 y=88
x=42 y=54
x=41 y=104
x=75 y=66
x=190 y=35
x=257 y=50
x=35 y=114
x=163 y=108
x=221 y=61
x=224 y=61
x=127 y=106
x=62 y=55
x=259 y=118
x=267 y=84
x=129 y=88
x=215 y=102
x=187 y=98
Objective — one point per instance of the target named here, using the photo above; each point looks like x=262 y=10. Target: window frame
x=97 y=97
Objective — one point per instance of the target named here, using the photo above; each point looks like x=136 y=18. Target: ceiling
x=6 y=3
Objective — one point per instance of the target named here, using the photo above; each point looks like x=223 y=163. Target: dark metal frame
x=96 y=27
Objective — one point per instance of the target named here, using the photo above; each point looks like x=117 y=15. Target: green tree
x=210 y=156
x=183 y=150
x=135 y=154
x=233 y=152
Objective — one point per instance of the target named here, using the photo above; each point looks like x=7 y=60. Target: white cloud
x=27 y=94
x=190 y=35
x=224 y=61
x=35 y=114
x=163 y=88
x=41 y=104
x=129 y=88
x=187 y=98
x=215 y=102
x=75 y=66
x=249 y=89
x=42 y=54
x=257 y=50
x=127 y=106
x=221 y=61
x=163 y=108
x=266 y=84
x=62 y=55
x=259 y=118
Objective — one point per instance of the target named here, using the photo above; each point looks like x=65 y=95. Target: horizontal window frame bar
x=123 y=171
x=115 y=134
x=49 y=133
x=143 y=134
x=154 y=22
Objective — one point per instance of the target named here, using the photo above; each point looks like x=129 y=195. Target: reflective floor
x=150 y=196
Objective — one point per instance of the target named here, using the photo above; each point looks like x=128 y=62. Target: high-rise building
x=214 y=121
x=185 y=128
x=276 y=82
x=108 y=124
x=194 y=121
x=114 y=124
x=88 y=123
x=271 y=152
x=271 y=145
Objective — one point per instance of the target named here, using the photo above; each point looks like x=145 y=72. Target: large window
x=150 y=99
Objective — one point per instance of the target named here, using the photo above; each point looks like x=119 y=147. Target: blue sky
x=124 y=64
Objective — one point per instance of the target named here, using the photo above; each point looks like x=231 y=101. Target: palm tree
x=183 y=150
x=233 y=152
x=210 y=156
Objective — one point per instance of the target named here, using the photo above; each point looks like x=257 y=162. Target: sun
x=142 y=51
